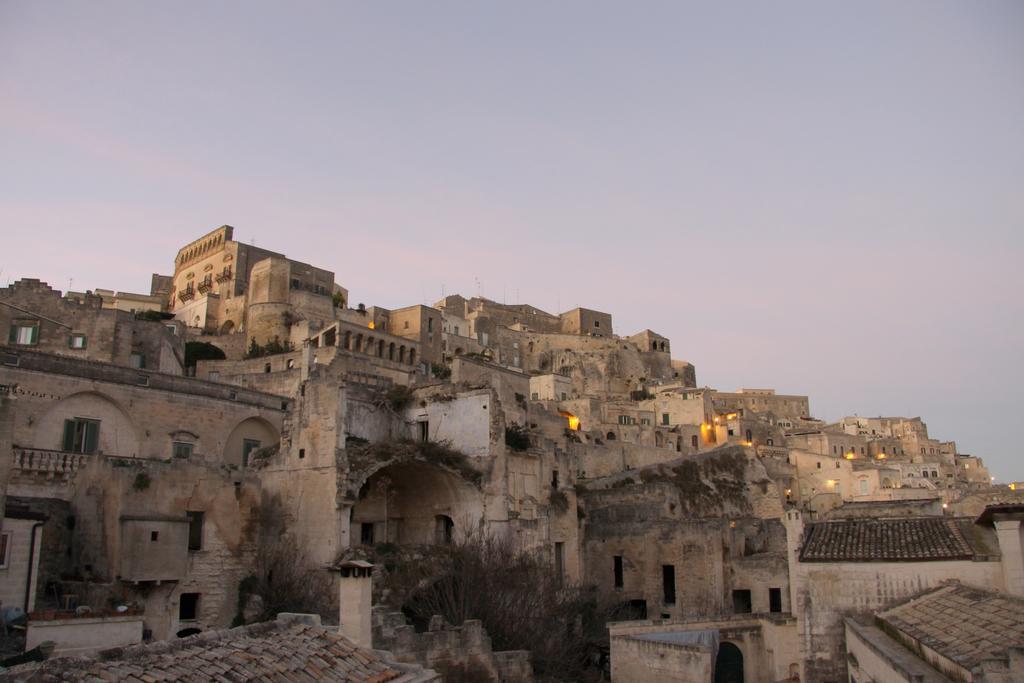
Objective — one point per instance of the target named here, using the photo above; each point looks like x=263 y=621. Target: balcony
x=206 y=285
x=186 y=294
x=50 y=463
x=224 y=275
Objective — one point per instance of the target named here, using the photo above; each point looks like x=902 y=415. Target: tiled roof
x=886 y=540
x=271 y=651
x=963 y=624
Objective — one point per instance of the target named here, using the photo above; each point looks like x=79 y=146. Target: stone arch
x=679 y=444
x=118 y=433
x=610 y=436
x=458 y=351
x=401 y=353
x=729 y=663
x=358 y=346
x=412 y=356
x=249 y=435
x=414 y=502
x=659 y=440
x=391 y=351
x=346 y=340
x=228 y=327
x=380 y=348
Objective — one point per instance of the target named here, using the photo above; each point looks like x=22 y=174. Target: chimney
x=355 y=583
x=1009 y=532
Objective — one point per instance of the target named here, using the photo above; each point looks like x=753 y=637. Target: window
x=188 y=607
x=617 y=571
x=195 y=530
x=563 y=396
x=430 y=324
x=819 y=465
x=774 y=599
x=24 y=333
x=597 y=323
x=5 y=549
x=154 y=536
x=741 y=602
x=554 y=479
x=534 y=396
x=137 y=360
x=559 y=560
x=248 y=446
x=76 y=341
x=668 y=583
x=424 y=426
x=406 y=326
x=181 y=449
x=366 y=533
x=444 y=530
x=81 y=435
x=693 y=441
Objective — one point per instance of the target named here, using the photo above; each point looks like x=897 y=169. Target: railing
x=224 y=274
x=186 y=294
x=206 y=285
x=48 y=462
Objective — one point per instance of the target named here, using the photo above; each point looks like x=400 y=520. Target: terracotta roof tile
x=885 y=540
x=964 y=624
x=272 y=651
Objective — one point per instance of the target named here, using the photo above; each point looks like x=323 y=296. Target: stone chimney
x=1009 y=532
x=355 y=583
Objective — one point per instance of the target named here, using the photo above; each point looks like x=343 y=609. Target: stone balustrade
x=56 y=463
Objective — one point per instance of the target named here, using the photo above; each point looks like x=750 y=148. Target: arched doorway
x=729 y=664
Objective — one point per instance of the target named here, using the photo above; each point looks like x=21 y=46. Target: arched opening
x=88 y=422
x=266 y=367
x=529 y=347
x=750 y=435
x=370 y=343
x=693 y=441
x=610 y=436
x=401 y=353
x=728 y=664
x=380 y=349
x=251 y=434
x=413 y=503
x=358 y=343
x=679 y=444
x=654 y=346
x=228 y=327
x=391 y=351
x=347 y=341
x=659 y=440
x=662 y=346
x=458 y=351
x=412 y=356
x=444 y=530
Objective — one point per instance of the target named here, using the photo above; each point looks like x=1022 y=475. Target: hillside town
x=246 y=473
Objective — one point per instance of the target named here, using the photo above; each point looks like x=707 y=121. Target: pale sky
x=822 y=197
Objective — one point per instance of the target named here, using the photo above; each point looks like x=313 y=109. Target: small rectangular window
x=154 y=536
x=195 y=530
x=76 y=341
x=563 y=396
x=424 y=431
x=24 y=333
x=137 y=360
x=775 y=599
x=559 y=560
x=741 y=602
x=5 y=549
x=668 y=583
x=188 y=607
x=664 y=418
x=617 y=571
x=554 y=479
x=366 y=533
x=181 y=449
x=534 y=396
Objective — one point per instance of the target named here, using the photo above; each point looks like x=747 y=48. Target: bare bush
x=517 y=596
x=284 y=579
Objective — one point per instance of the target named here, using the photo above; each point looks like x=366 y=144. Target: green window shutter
x=35 y=334
x=12 y=337
x=69 y=435
x=92 y=437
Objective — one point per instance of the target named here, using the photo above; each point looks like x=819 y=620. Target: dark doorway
x=729 y=664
